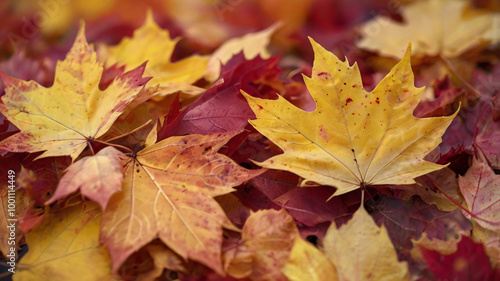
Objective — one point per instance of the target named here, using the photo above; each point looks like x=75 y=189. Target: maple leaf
x=426 y=189
x=491 y=242
x=97 y=177
x=359 y=247
x=446 y=247
x=435 y=27
x=352 y=138
x=267 y=238
x=64 y=118
x=468 y=262
x=153 y=44
x=168 y=193
x=66 y=245
x=481 y=190
x=163 y=257
x=407 y=220
x=221 y=108
x=252 y=45
x=358 y=250
x=308 y=206
x=308 y=263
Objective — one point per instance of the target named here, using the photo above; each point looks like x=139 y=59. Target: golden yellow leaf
x=352 y=138
x=360 y=250
x=153 y=44
x=65 y=246
x=308 y=263
x=252 y=45
x=64 y=118
x=434 y=27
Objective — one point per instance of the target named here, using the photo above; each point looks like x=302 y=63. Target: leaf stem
x=131 y=132
x=455 y=72
x=459 y=205
x=115 y=145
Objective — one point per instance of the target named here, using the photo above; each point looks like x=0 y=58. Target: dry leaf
x=353 y=138
x=97 y=177
x=481 y=189
x=434 y=27
x=252 y=45
x=152 y=44
x=65 y=246
x=168 y=193
x=360 y=250
x=267 y=238
x=308 y=263
x=64 y=118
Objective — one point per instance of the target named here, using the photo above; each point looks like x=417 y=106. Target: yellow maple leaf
x=65 y=246
x=358 y=250
x=153 y=44
x=252 y=45
x=353 y=138
x=435 y=27
x=64 y=118
x=306 y=262
x=167 y=193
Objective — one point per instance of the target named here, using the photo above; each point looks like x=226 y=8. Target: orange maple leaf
x=168 y=193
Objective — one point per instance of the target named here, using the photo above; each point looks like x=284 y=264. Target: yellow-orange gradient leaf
x=267 y=238
x=65 y=246
x=353 y=137
x=167 y=193
x=62 y=119
x=97 y=177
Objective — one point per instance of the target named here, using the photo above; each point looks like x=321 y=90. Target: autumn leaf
x=446 y=180
x=308 y=206
x=267 y=238
x=358 y=250
x=153 y=44
x=221 y=108
x=66 y=117
x=435 y=27
x=65 y=246
x=353 y=138
x=168 y=193
x=491 y=241
x=468 y=262
x=445 y=247
x=252 y=45
x=163 y=258
x=480 y=187
x=361 y=250
x=97 y=177
x=306 y=262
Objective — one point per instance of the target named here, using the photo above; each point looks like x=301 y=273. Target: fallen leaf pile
x=250 y=140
